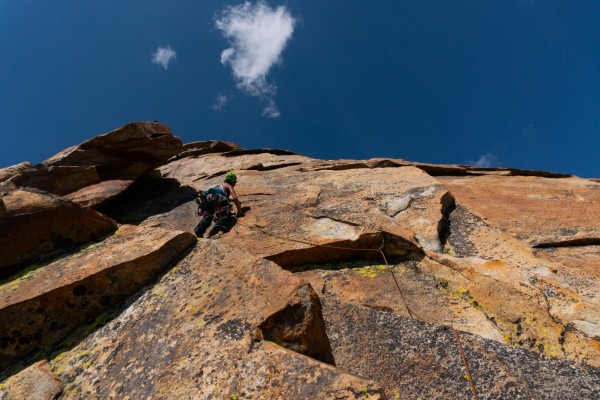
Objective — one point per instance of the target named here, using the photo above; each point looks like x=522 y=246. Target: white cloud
x=257 y=35
x=270 y=110
x=486 y=161
x=220 y=102
x=163 y=56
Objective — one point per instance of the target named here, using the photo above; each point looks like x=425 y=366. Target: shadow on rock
x=83 y=330
x=149 y=195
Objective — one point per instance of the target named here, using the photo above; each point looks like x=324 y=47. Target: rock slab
x=35 y=224
x=36 y=382
x=42 y=306
x=223 y=324
x=416 y=360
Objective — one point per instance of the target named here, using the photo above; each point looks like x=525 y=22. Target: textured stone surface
x=9 y=172
x=536 y=210
x=415 y=360
x=504 y=254
x=204 y=332
x=297 y=209
x=316 y=205
x=207 y=167
x=98 y=194
x=123 y=154
x=41 y=306
x=372 y=285
x=195 y=149
x=36 y=382
x=578 y=267
x=34 y=224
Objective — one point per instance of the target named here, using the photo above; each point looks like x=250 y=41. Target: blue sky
x=501 y=83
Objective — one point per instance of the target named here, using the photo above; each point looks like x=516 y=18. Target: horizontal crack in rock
x=366 y=246
x=262 y=167
x=569 y=243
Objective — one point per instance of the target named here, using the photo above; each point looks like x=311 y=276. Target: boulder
x=222 y=324
x=148 y=142
x=36 y=224
x=123 y=154
x=58 y=180
x=36 y=382
x=40 y=307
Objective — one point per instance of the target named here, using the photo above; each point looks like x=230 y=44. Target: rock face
x=35 y=224
x=217 y=326
x=465 y=266
x=42 y=306
x=543 y=212
x=9 y=172
x=420 y=361
x=123 y=154
x=346 y=279
x=36 y=382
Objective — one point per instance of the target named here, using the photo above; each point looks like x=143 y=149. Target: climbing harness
x=214 y=200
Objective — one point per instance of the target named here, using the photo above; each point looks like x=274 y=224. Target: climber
x=214 y=204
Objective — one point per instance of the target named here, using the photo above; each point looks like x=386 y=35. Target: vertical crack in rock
x=300 y=327
x=461 y=224
x=444 y=225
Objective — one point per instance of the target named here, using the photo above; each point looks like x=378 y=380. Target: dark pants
x=223 y=223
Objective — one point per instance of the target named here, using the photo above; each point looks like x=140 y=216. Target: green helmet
x=231 y=178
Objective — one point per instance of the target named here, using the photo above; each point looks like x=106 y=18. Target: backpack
x=213 y=200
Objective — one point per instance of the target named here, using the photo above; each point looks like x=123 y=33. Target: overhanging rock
x=123 y=155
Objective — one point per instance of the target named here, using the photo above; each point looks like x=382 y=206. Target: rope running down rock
x=380 y=251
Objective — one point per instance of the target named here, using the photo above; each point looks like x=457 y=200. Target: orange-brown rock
x=123 y=154
x=148 y=142
x=9 y=172
x=222 y=324
x=416 y=360
x=578 y=268
x=205 y=147
x=409 y=204
x=34 y=224
x=42 y=305
x=557 y=216
x=539 y=211
x=98 y=194
x=347 y=266
x=36 y=382
x=298 y=208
